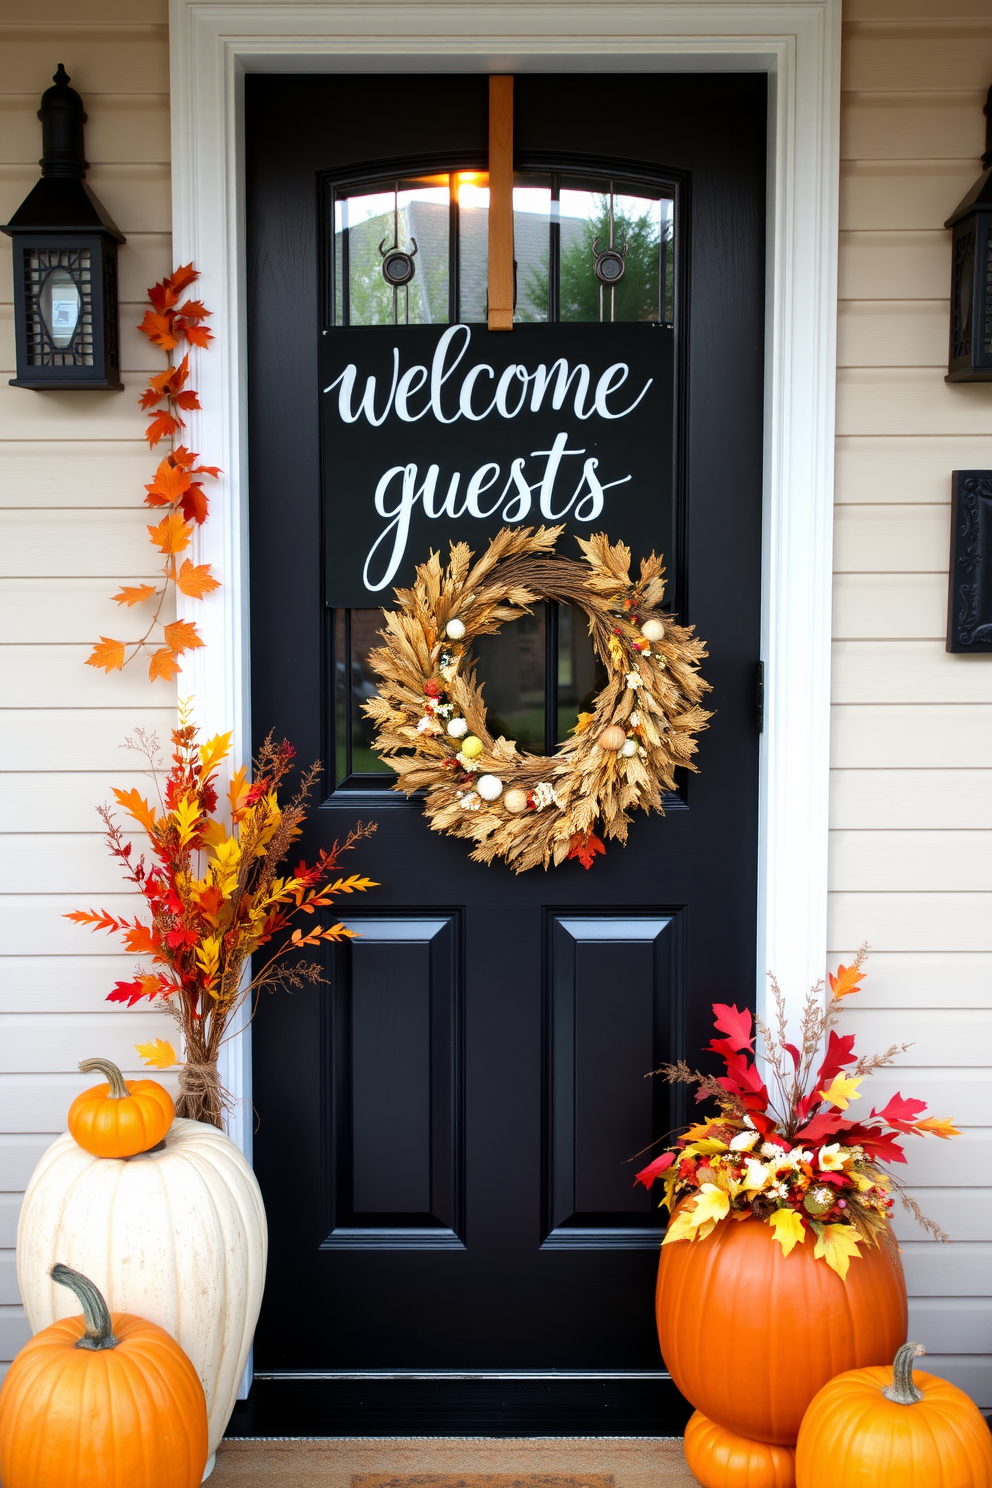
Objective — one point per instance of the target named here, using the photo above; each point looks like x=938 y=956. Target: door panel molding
x=392 y=1165
x=797 y=43
x=614 y=1006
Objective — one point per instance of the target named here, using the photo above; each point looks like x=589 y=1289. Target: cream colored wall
x=911 y=798
x=72 y=467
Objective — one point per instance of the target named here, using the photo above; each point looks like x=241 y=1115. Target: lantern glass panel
x=60 y=301
x=59 y=304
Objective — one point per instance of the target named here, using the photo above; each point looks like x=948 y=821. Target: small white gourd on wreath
x=430 y=716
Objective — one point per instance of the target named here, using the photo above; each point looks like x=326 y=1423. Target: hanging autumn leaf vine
x=176 y=487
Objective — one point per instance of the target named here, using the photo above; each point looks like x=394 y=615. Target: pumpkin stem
x=113 y=1076
x=99 y=1330
x=903 y=1389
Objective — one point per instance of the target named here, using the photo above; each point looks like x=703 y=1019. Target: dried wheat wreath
x=431 y=719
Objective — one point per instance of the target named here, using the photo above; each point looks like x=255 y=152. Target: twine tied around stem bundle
x=202 y=1097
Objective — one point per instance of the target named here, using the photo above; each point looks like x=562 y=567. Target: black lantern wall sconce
x=971 y=275
x=65 y=262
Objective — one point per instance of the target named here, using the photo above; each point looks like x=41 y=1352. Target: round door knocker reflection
x=610 y=265
x=398 y=267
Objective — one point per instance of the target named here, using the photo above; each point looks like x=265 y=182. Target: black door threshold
x=308 y=1407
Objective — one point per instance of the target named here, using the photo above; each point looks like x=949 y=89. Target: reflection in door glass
x=472 y=194
x=393 y=242
x=409 y=217
x=531 y=239
x=532 y=219
x=641 y=236
x=581 y=674
x=356 y=633
x=512 y=667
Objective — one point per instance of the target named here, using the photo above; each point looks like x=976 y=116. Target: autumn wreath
x=430 y=717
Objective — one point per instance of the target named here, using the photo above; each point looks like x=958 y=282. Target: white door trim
x=797 y=43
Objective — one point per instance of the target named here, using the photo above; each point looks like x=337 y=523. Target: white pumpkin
x=177 y=1236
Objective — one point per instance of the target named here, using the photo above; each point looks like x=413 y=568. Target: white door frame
x=797 y=43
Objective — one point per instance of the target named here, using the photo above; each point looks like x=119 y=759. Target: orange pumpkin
x=879 y=1425
x=101 y=1401
x=750 y=1334
x=719 y=1458
x=122 y=1117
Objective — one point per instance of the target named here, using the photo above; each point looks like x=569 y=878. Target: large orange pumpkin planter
x=750 y=1334
x=101 y=1401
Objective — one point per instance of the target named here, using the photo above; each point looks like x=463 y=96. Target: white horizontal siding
x=911 y=797
x=879 y=467
x=72 y=528
x=893 y=799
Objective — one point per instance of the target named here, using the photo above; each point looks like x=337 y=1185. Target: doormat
x=452 y=1462
x=482 y=1480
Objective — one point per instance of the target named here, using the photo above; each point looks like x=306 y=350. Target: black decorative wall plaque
x=969 y=601
x=434 y=434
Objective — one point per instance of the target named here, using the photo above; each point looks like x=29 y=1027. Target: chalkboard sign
x=434 y=434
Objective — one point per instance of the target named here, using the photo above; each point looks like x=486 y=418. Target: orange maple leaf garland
x=170 y=321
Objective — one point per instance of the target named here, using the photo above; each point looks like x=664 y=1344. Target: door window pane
x=411 y=217
x=641 y=236
x=356 y=633
x=562 y=224
x=532 y=248
x=581 y=674
x=512 y=667
x=472 y=193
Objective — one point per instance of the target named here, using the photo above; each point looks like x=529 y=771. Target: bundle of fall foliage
x=214 y=894
x=176 y=492
x=793 y=1158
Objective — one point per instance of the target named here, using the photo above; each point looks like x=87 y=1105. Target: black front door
x=445 y=1134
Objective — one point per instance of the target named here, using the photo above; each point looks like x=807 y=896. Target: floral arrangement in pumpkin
x=795 y=1159
x=215 y=895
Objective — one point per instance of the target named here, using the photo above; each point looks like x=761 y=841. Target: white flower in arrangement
x=642 y=752
x=458 y=728
x=444 y=710
x=544 y=795
x=832 y=1159
x=629 y=748
x=455 y=629
x=744 y=1141
x=768 y=1149
x=634 y=719
x=756 y=1175
x=466 y=763
x=448 y=671
x=634 y=680
x=470 y=801
x=490 y=787
x=794 y=1159
x=749 y=1123
x=427 y=725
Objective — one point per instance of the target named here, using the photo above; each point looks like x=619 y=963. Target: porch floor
x=452 y=1462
